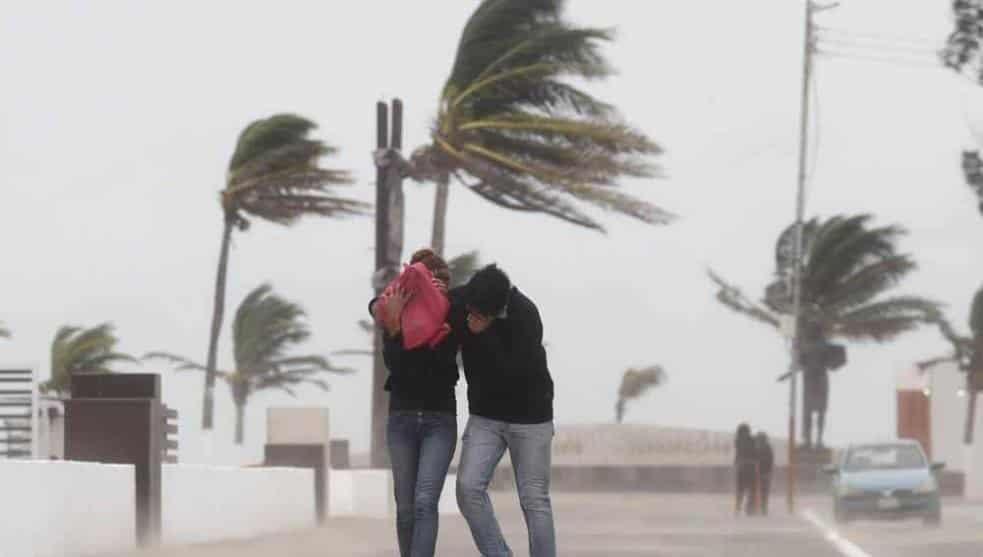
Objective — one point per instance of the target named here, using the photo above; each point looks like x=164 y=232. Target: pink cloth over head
x=424 y=318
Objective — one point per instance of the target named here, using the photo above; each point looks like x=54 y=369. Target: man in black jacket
x=510 y=396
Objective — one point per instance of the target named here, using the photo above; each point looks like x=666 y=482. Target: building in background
x=931 y=407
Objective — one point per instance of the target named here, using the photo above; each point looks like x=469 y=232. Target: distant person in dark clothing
x=745 y=467
x=766 y=463
x=510 y=396
x=422 y=428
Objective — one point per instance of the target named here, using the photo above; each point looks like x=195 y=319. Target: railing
x=18 y=413
x=169 y=446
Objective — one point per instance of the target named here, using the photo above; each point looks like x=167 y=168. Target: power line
x=909 y=62
x=847 y=43
x=923 y=41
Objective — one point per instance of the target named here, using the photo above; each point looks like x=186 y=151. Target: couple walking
x=754 y=461
x=498 y=333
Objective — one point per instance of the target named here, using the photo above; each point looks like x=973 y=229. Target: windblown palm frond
x=848 y=267
x=265 y=331
x=462 y=267
x=634 y=384
x=733 y=298
x=518 y=131
x=78 y=350
x=274 y=174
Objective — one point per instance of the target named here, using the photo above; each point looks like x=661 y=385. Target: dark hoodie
x=505 y=365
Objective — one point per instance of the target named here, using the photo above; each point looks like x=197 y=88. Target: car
x=893 y=480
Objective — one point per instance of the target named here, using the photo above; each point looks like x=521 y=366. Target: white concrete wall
x=949 y=403
x=948 y=414
x=369 y=493
x=203 y=503
x=51 y=509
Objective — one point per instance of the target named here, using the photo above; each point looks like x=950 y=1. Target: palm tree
x=634 y=384
x=265 y=330
x=4 y=332
x=274 y=175
x=848 y=269
x=967 y=353
x=78 y=350
x=515 y=128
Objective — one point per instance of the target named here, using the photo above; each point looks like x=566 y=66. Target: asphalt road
x=635 y=525
x=960 y=535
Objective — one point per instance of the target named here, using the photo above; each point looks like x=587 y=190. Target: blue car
x=891 y=480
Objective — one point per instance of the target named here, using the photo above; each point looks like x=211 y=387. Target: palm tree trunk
x=437 y=239
x=218 y=313
x=240 y=421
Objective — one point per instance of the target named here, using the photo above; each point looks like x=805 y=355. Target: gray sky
x=117 y=119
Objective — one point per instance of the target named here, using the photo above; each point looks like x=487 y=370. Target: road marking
x=843 y=545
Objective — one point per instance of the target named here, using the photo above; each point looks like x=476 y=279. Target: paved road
x=629 y=525
x=961 y=534
x=588 y=525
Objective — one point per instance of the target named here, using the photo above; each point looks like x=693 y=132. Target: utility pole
x=808 y=51
x=388 y=251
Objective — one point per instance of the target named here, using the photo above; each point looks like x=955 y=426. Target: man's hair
x=488 y=290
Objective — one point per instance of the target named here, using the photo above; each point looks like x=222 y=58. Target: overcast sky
x=117 y=119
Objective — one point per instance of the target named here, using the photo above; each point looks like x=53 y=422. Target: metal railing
x=18 y=413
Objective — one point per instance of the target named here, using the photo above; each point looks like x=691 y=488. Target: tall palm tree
x=274 y=175
x=515 y=128
x=265 y=330
x=848 y=269
x=76 y=350
x=634 y=384
x=967 y=353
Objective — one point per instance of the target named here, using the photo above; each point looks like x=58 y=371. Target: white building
x=944 y=385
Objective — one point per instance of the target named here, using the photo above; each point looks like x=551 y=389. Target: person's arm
x=393 y=353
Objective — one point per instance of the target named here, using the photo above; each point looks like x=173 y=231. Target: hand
x=393 y=310
x=477 y=324
x=440 y=285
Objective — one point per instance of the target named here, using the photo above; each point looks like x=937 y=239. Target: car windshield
x=884 y=457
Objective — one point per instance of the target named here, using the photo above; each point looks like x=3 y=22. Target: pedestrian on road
x=745 y=468
x=766 y=463
x=510 y=396
x=422 y=428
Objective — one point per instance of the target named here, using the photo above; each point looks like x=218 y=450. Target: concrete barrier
x=202 y=503
x=56 y=508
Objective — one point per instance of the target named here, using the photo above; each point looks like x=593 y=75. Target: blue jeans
x=421 y=445
x=529 y=446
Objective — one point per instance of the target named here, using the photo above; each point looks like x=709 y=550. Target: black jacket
x=505 y=365
x=422 y=379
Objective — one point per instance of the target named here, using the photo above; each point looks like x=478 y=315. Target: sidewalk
x=588 y=525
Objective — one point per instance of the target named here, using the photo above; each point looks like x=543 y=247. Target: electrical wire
x=844 y=43
x=924 y=41
x=914 y=63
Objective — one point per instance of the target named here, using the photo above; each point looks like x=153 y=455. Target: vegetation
x=274 y=175
x=265 y=331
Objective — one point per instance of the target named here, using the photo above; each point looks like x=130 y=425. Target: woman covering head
x=422 y=426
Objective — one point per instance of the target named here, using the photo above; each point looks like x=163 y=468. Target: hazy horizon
x=119 y=118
